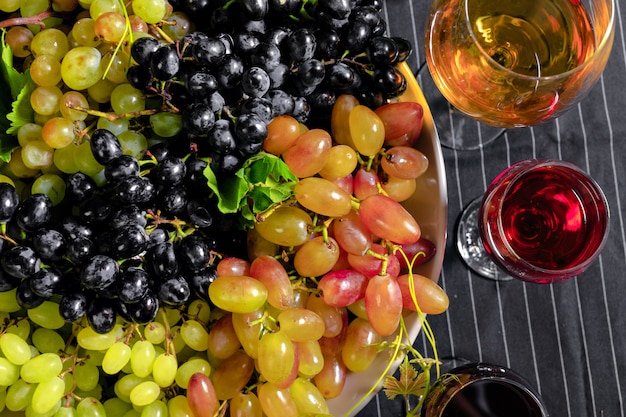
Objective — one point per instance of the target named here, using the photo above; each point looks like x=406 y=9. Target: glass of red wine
x=540 y=221
x=480 y=389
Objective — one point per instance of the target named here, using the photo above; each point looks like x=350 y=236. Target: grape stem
x=30 y=20
x=115 y=116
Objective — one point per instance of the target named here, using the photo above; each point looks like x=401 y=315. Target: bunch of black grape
x=147 y=238
x=252 y=60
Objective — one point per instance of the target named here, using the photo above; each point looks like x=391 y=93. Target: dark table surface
x=567 y=339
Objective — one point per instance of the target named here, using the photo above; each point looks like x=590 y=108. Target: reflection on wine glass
x=480 y=389
x=541 y=221
x=514 y=63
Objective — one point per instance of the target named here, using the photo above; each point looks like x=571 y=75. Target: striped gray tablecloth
x=567 y=339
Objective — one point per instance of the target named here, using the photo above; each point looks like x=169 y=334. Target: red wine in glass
x=479 y=389
x=542 y=221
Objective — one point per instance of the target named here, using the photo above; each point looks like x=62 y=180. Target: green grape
x=177 y=341
x=132 y=413
x=85 y=161
x=88 y=338
x=111 y=27
x=195 y=335
x=238 y=294
x=49 y=41
x=41 y=368
x=48 y=394
x=164 y=370
x=178 y=25
x=187 y=369
x=115 y=358
x=101 y=91
x=80 y=68
x=165 y=124
x=9 y=373
x=151 y=11
x=71 y=100
x=308 y=399
x=310 y=358
x=90 y=407
x=19 y=170
x=66 y=411
x=154 y=332
x=199 y=310
x=84 y=33
x=178 y=406
x=276 y=402
x=156 y=409
x=51 y=185
x=8 y=300
x=28 y=132
x=125 y=385
x=46 y=100
x=117 y=65
x=248 y=333
x=142 y=358
x=86 y=376
x=116 y=407
x=19 y=395
x=94 y=393
x=47 y=340
x=47 y=315
x=10 y=6
x=45 y=71
x=15 y=348
x=172 y=316
x=99 y=7
x=245 y=405
x=63 y=159
x=37 y=155
x=116 y=126
x=133 y=143
x=286 y=226
x=94 y=357
x=360 y=346
x=301 y=324
x=127 y=99
x=58 y=132
x=145 y=393
x=68 y=379
x=276 y=356
x=21 y=328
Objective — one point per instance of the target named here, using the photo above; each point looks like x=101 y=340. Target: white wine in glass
x=517 y=63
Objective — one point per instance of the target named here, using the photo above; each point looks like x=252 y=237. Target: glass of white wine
x=510 y=64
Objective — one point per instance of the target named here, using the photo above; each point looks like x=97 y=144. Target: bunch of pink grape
x=328 y=277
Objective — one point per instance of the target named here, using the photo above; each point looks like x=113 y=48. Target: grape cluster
x=251 y=63
x=147 y=238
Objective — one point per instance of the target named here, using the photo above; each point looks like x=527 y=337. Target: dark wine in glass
x=482 y=390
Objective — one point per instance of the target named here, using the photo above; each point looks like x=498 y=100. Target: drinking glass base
x=470 y=247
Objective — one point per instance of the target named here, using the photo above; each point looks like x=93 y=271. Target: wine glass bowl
x=481 y=389
x=544 y=220
x=517 y=64
x=540 y=221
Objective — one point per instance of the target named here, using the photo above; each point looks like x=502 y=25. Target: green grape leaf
x=408 y=383
x=263 y=181
x=21 y=110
